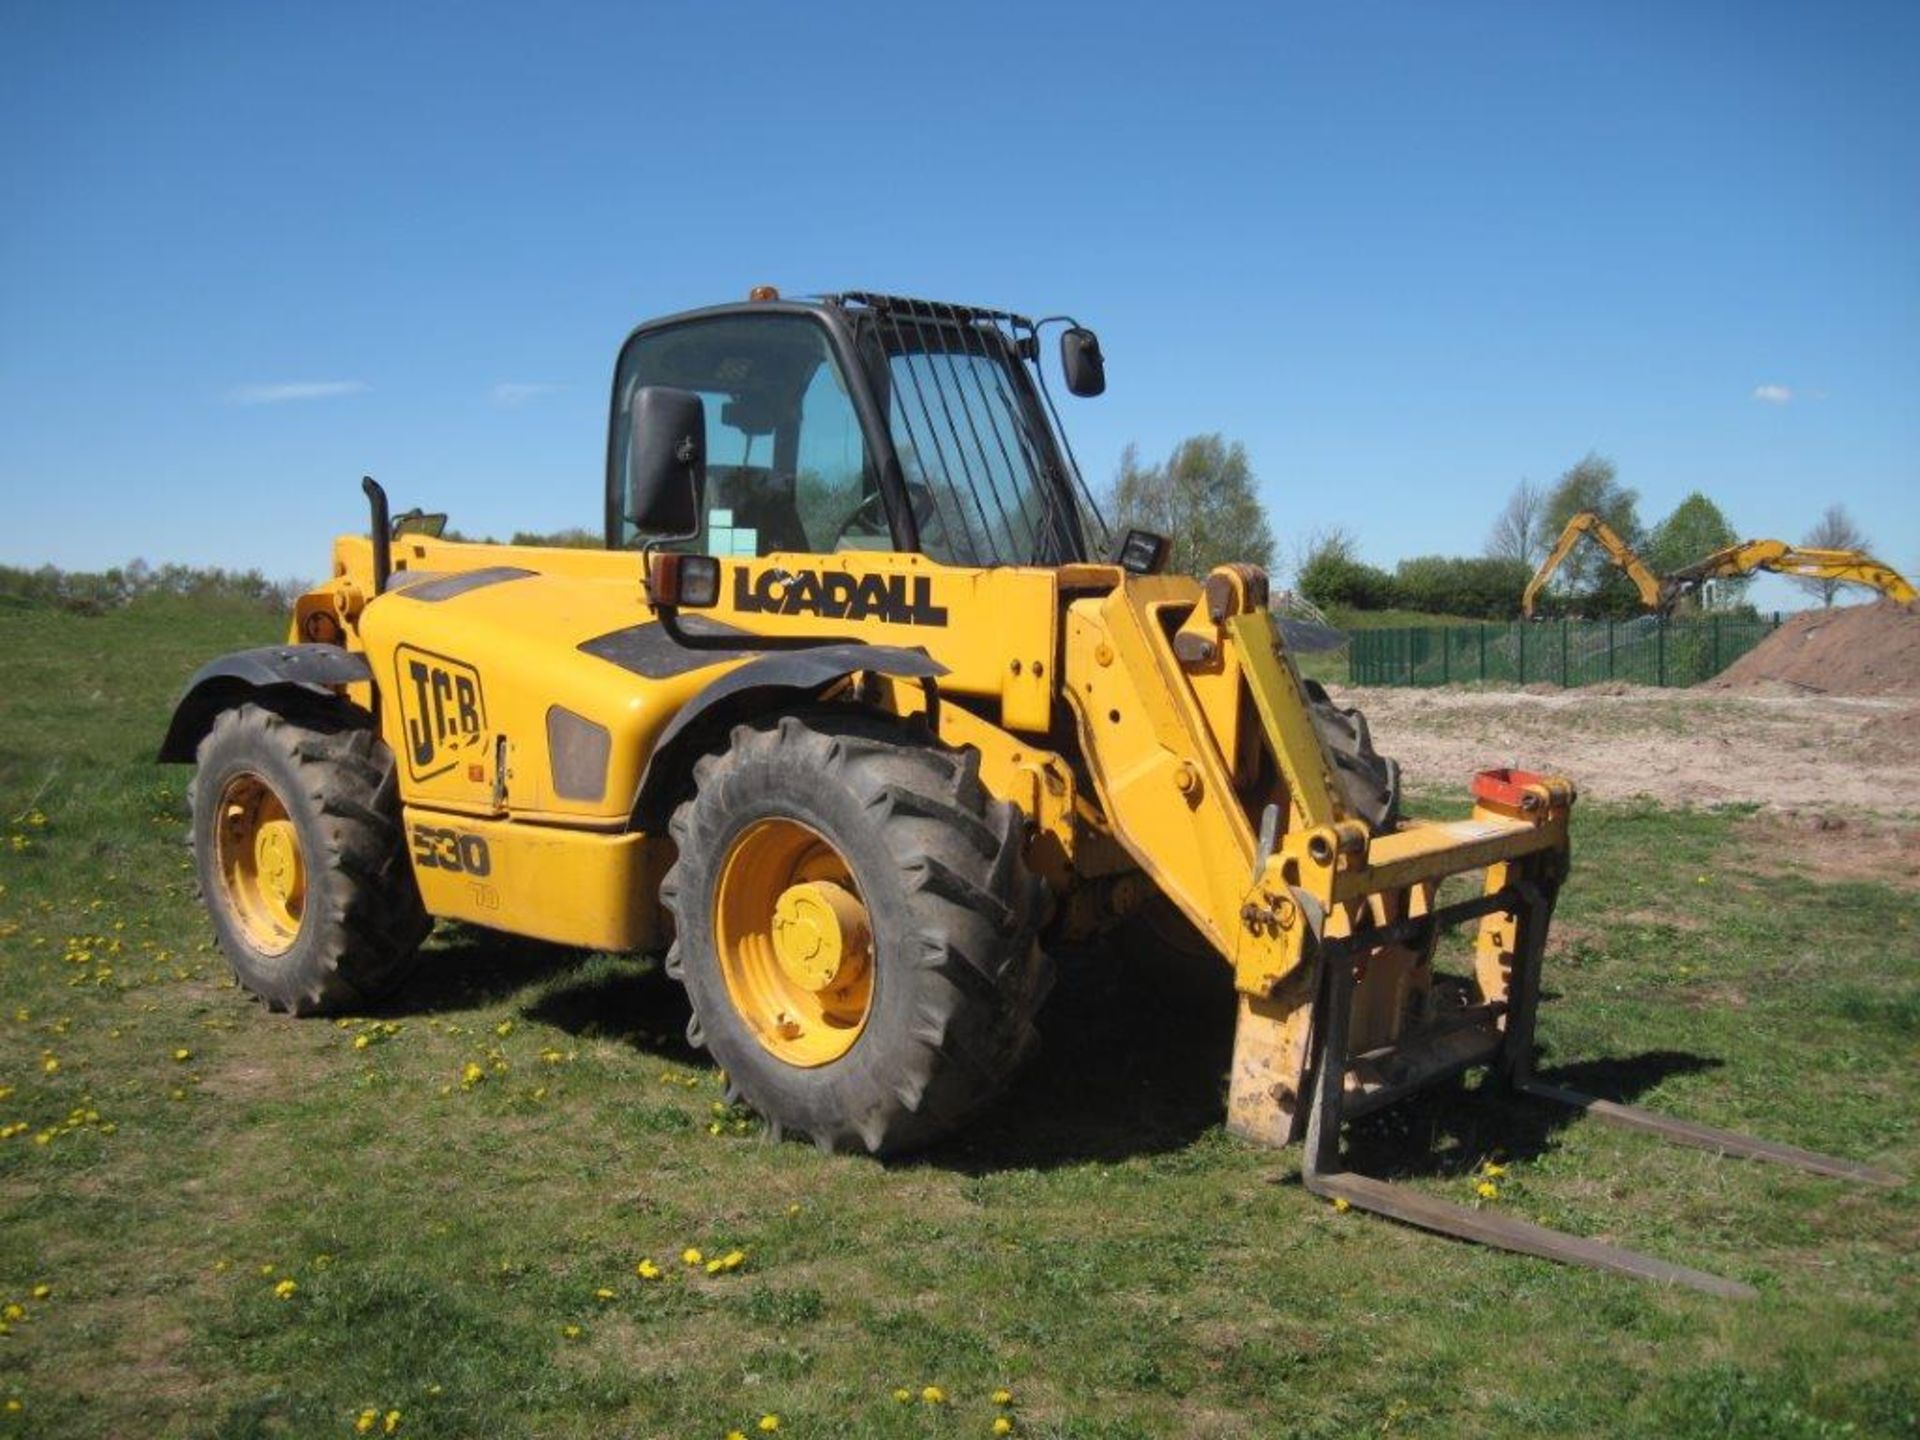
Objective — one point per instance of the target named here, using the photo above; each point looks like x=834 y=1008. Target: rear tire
x=300 y=858
x=942 y=888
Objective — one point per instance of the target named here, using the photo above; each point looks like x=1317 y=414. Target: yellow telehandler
x=1660 y=593
x=852 y=719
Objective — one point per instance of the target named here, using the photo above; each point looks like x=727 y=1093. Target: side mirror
x=666 y=461
x=1080 y=359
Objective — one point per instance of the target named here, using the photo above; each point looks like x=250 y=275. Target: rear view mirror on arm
x=1082 y=362
x=666 y=462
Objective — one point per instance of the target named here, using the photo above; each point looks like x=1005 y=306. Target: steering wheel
x=870 y=517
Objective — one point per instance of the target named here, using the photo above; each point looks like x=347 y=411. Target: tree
x=1204 y=498
x=1696 y=528
x=1593 y=484
x=1520 y=531
x=1835 y=531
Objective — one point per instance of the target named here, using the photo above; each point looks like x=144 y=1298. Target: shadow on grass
x=1133 y=1061
x=1135 y=1049
x=616 y=997
x=1451 y=1129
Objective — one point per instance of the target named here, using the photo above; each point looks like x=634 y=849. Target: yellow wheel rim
x=794 y=942
x=257 y=853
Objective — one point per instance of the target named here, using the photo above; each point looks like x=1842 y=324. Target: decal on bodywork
x=892 y=599
x=442 y=711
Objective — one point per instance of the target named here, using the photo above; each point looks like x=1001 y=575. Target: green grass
x=1098 y=1245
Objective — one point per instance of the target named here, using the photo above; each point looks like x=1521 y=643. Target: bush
x=1332 y=575
x=95 y=593
x=1485 y=588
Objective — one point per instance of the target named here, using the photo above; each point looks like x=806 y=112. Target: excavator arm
x=1853 y=566
x=1618 y=551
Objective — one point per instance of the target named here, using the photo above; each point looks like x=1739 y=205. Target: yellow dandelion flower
x=14 y=1311
x=51 y=1065
x=14 y=1407
x=903 y=1395
x=361 y=1042
x=1002 y=1425
x=691 y=1256
x=365 y=1422
x=42 y=1292
x=647 y=1270
x=1493 y=1171
x=181 y=1056
x=285 y=1289
x=934 y=1395
x=603 y=1293
x=1487 y=1190
x=1003 y=1397
x=1341 y=1204
x=769 y=1423
x=503 y=1029
x=392 y=1422
x=472 y=1074
x=266 y=1269
x=794 y=1209
x=735 y=1435
x=572 y=1332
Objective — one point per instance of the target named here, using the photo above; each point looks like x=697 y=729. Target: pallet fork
x=1511 y=1060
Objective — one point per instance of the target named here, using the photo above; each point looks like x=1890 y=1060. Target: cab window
x=787 y=464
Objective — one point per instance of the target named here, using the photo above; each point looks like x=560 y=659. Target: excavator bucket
x=1345 y=1013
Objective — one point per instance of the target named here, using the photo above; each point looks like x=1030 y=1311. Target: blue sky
x=1407 y=254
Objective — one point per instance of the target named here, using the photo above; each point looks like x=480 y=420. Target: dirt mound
x=1857 y=650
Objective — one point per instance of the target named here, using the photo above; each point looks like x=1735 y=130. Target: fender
x=755 y=689
x=220 y=684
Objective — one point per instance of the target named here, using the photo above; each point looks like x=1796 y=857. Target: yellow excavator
x=1661 y=593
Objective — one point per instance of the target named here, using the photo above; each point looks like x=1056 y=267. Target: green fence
x=1643 y=651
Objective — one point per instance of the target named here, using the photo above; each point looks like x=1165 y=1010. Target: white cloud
x=296 y=390
x=512 y=394
x=1773 y=394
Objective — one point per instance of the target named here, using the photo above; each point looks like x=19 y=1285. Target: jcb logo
x=441 y=710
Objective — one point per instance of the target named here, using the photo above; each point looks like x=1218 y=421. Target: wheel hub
x=820 y=935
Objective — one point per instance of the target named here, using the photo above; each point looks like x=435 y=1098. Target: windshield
x=974 y=447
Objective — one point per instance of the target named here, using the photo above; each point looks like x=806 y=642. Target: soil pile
x=1855 y=650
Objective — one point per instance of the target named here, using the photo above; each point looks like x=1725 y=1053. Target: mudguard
x=315 y=669
x=755 y=688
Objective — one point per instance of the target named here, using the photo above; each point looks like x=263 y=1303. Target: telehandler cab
x=852 y=719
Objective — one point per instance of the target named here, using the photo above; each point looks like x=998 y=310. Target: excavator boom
x=1618 y=551
x=1659 y=593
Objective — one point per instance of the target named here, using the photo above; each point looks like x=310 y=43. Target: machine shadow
x=1132 y=1061
x=622 y=998
x=1452 y=1129
x=1136 y=1044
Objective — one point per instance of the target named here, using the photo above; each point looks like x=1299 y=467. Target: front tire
x=298 y=851
x=854 y=925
